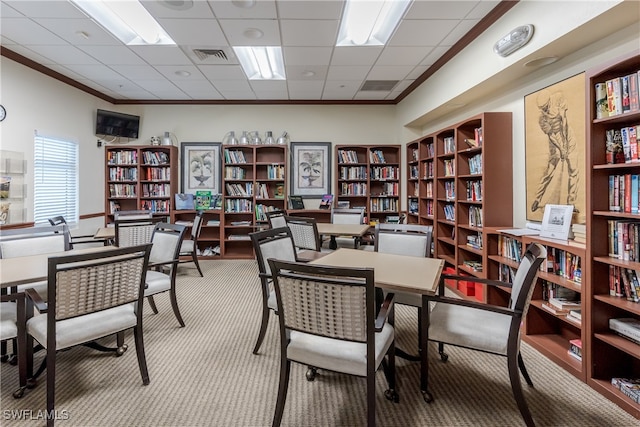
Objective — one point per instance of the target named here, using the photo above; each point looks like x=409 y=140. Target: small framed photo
x=201 y=167
x=556 y=221
x=310 y=169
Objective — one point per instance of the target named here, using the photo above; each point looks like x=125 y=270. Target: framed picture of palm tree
x=201 y=167
x=310 y=169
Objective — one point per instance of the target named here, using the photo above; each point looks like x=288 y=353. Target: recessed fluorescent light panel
x=370 y=23
x=127 y=20
x=261 y=62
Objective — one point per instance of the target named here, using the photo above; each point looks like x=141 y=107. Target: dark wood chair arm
x=385 y=309
x=156 y=265
x=474 y=304
x=36 y=300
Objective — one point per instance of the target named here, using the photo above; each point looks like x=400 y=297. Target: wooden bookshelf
x=209 y=239
x=608 y=355
x=140 y=177
x=464 y=185
x=254 y=182
x=368 y=176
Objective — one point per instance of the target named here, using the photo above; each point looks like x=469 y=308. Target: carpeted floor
x=205 y=375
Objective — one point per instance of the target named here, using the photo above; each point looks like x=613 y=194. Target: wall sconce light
x=513 y=41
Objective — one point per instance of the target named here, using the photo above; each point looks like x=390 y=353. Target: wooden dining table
x=400 y=273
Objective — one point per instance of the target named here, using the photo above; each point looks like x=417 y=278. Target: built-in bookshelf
x=254 y=183
x=554 y=319
x=609 y=355
x=463 y=185
x=209 y=241
x=140 y=178
x=368 y=177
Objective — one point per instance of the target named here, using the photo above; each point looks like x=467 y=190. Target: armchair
x=12 y=327
x=91 y=296
x=489 y=328
x=305 y=237
x=189 y=247
x=270 y=243
x=134 y=231
x=327 y=318
x=163 y=263
x=75 y=240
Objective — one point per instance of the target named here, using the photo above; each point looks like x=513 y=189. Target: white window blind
x=55 y=167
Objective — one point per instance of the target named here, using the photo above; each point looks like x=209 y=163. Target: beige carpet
x=205 y=375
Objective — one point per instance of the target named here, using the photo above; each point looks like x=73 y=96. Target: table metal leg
x=424 y=342
x=333 y=244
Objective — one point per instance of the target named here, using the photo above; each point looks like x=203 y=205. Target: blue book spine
x=634 y=194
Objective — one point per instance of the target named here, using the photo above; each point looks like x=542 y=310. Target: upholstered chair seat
x=8 y=317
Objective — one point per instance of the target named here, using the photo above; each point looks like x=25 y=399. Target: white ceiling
x=59 y=36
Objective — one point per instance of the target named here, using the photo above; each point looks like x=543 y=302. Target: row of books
x=413 y=206
x=239 y=189
x=626 y=327
x=413 y=172
x=449 y=212
x=353 y=189
x=617 y=96
x=265 y=192
x=475 y=216
x=353 y=172
x=235 y=172
x=510 y=248
x=386 y=172
x=475 y=164
x=124 y=157
x=122 y=190
x=275 y=172
x=261 y=211
x=157 y=174
x=376 y=156
x=449 y=145
x=624 y=239
x=430 y=150
x=386 y=189
x=155 y=158
x=473 y=265
x=156 y=190
x=449 y=167
x=475 y=241
x=427 y=169
x=348 y=156
x=238 y=205
x=428 y=189
x=621 y=145
x=123 y=174
x=563 y=263
x=155 y=205
x=624 y=193
x=234 y=156
x=553 y=291
x=474 y=191
x=624 y=283
x=384 y=204
x=450 y=190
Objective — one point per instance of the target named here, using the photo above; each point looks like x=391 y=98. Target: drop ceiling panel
x=194 y=31
x=234 y=30
x=402 y=55
x=159 y=9
x=307 y=55
x=67 y=54
x=223 y=72
x=355 y=72
x=263 y=9
x=309 y=32
x=327 y=9
x=440 y=9
x=136 y=72
x=46 y=9
x=422 y=33
x=365 y=55
x=79 y=31
x=113 y=55
x=162 y=55
x=27 y=32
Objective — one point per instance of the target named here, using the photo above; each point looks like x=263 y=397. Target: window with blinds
x=55 y=167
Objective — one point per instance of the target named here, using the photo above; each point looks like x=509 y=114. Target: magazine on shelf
x=296 y=202
x=184 y=201
x=203 y=200
x=326 y=202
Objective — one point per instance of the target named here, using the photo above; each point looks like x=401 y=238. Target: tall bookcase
x=254 y=183
x=464 y=184
x=368 y=176
x=140 y=177
x=209 y=244
x=608 y=355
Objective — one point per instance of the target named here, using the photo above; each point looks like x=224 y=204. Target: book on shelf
x=184 y=222
x=203 y=199
x=575 y=348
x=573 y=318
x=602 y=105
x=326 y=202
x=213 y=222
x=626 y=327
x=343 y=204
x=576 y=314
x=279 y=193
x=564 y=303
x=554 y=310
x=296 y=202
x=630 y=387
x=184 y=201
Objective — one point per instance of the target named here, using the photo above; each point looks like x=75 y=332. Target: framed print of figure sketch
x=555 y=148
x=200 y=166
x=310 y=169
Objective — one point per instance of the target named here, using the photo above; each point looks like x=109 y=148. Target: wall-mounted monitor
x=111 y=123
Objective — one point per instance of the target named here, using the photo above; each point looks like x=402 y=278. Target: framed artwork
x=201 y=167
x=555 y=148
x=310 y=169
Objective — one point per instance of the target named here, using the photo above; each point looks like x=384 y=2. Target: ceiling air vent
x=203 y=54
x=379 y=85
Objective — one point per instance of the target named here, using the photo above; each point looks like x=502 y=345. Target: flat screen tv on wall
x=111 y=123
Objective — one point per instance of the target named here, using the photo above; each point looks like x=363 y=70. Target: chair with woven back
x=490 y=328
x=327 y=318
x=75 y=239
x=189 y=247
x=409 y=240
x=305 y=237
x=134 y=231
x=90 y=296
x=270 y=243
